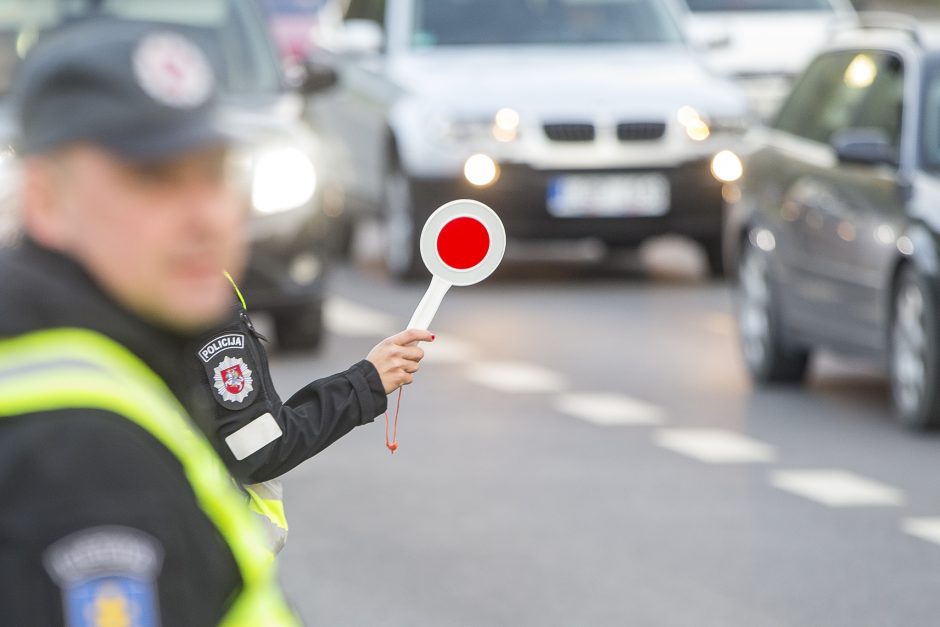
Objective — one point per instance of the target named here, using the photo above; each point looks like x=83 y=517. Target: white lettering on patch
x=221 y=343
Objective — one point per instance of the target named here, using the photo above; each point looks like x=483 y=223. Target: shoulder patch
x=233 y=382
x=107 y=576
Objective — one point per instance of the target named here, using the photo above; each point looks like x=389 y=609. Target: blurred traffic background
x=701 y=389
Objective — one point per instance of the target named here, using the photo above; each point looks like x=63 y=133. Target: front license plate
x=608 y=195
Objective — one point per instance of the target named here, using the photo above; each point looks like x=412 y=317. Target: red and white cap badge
x=173 y=70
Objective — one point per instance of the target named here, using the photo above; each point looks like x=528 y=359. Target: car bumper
x=520 y=197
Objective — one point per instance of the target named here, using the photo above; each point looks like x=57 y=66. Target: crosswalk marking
x=609 y=409
x=515 y=376
x=715 y=446
x=345 y=317
x=924 y=528
x=836 y=488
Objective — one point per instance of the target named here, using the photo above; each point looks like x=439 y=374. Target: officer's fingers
x=412 y=353
x=409 y=366
x=407 y=379
x=412 y=335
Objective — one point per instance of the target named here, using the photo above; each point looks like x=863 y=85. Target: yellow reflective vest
x=68 y=368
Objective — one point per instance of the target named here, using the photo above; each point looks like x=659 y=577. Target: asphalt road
x=583 y=448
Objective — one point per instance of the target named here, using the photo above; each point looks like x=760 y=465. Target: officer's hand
x=396 y=358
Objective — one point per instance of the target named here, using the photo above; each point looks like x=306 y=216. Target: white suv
x=571 y=118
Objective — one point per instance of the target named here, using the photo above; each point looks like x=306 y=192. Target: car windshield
x=758 y=5
x=541 y=22
x=229 y=30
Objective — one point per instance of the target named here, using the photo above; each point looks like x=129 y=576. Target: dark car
x=835 y=228
x=282 y=158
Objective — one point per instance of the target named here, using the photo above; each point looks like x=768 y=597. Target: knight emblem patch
x=232 y=380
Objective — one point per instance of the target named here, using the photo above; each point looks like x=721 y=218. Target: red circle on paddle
x=463 y=243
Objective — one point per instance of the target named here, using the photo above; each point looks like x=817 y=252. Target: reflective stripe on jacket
x=67 y=368
x=266 y=501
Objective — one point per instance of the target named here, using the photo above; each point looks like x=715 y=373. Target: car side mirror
x=357 y=38
x=864 y=146
x=309 y=77
x=317 y=77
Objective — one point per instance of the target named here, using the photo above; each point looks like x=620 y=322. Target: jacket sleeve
x=81 y=486
x=317 y=415
x=258 y=436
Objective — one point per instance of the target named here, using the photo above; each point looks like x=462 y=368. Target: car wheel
x=913 y=356
x=299 y=327
x=402 y=233
x=768 y=358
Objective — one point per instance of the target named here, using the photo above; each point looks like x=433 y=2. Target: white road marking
x=447 y=350
x=836 y=488
x=609 y=409
x=345 y=317
x=924 y=528
x=515 y=376
x=715 y=446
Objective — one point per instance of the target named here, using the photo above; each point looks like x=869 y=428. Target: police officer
x=261 y=437
x=116 y=510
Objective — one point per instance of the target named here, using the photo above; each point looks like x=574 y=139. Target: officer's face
x=157 y=236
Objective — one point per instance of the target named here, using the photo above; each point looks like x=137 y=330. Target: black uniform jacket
x=74 y=481
x=260 y=437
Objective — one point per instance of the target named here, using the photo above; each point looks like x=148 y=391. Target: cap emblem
x=173 y=70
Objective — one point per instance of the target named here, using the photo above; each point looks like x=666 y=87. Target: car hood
x=566 y=81
x=769 y=43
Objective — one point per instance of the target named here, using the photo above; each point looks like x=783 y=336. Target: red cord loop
x=392 y=443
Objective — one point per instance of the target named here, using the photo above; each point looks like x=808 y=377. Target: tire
x=767 y=356
x=714 y=255
x=913 y=353
x=300 y=327
x=402 y=230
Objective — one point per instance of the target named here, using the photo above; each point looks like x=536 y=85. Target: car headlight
x=283 y=178
x=700 y=127
x=695 y=126
x=481 y=170
x=727 y=167
x=733 y=125
x=503 y=127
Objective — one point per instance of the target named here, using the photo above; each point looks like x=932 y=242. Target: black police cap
x=140 y=90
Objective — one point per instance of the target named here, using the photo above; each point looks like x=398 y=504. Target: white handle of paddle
x=426 y=309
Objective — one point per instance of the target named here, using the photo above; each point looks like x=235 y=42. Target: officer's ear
x=42 y=211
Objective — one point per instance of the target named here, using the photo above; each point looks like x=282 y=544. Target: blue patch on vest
x=111 y=602
x=108 y=577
